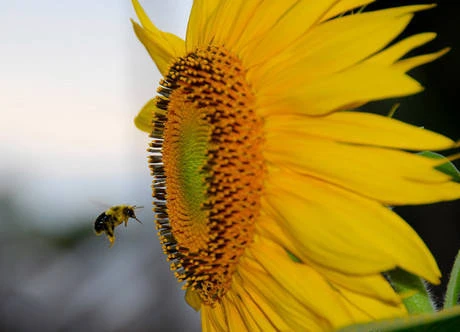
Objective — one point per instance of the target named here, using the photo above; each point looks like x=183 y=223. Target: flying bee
x=113 y=217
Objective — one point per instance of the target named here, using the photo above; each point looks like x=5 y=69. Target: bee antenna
x=138 y=207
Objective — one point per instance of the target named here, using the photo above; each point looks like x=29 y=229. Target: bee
x=113 y=217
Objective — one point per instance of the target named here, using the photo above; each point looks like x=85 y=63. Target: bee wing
x=100 y=204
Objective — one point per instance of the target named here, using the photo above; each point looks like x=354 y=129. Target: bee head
x=129 y=211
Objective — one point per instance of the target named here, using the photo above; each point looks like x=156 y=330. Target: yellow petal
x=373 y=285
x=214 y=317
x=408 y=64
x=193 y=299
x=345 y=6
x=144 y=118
x=205 y=322
x=342 y=91
x=249 y=318
x=145 y=20
x=331 y=47
x=360 y=128
x=264 y=18
x=301 y=281
x=289 y=27
x=265 y=315
x=229 y=22
x=371 y=307
x=222 y=21
x=163 y=47
x=344 y=231
x=297 y=316
x=253 y=313
x=390 y=176
x=234 y=318
x=231 y=34
x=199 y=16
x=398 y=50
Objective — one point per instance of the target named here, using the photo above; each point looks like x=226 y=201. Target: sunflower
x=271 y=191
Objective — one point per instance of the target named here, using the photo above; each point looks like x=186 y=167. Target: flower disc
x=208 y=166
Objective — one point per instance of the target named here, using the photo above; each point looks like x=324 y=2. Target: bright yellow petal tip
x=193 y=299
x=144 y=120
x=163 y=47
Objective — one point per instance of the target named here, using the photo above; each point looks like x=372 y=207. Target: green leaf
x=443 y=321
x=453 y=287
x=412 y=290
x=447 y=168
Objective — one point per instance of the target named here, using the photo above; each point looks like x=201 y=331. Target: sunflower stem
x=413 y=292
x=453 y=287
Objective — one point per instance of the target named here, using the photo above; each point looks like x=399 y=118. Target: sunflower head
x=207 y=152
x=259 y=155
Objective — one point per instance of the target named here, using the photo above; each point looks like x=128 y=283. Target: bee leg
x=112 y=240
x=111 y=236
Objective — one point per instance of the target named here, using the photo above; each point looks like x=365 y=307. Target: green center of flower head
x=208 y=168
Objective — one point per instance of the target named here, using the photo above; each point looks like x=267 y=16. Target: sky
x=73 y=76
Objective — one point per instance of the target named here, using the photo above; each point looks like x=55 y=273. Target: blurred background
x=72 y=78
